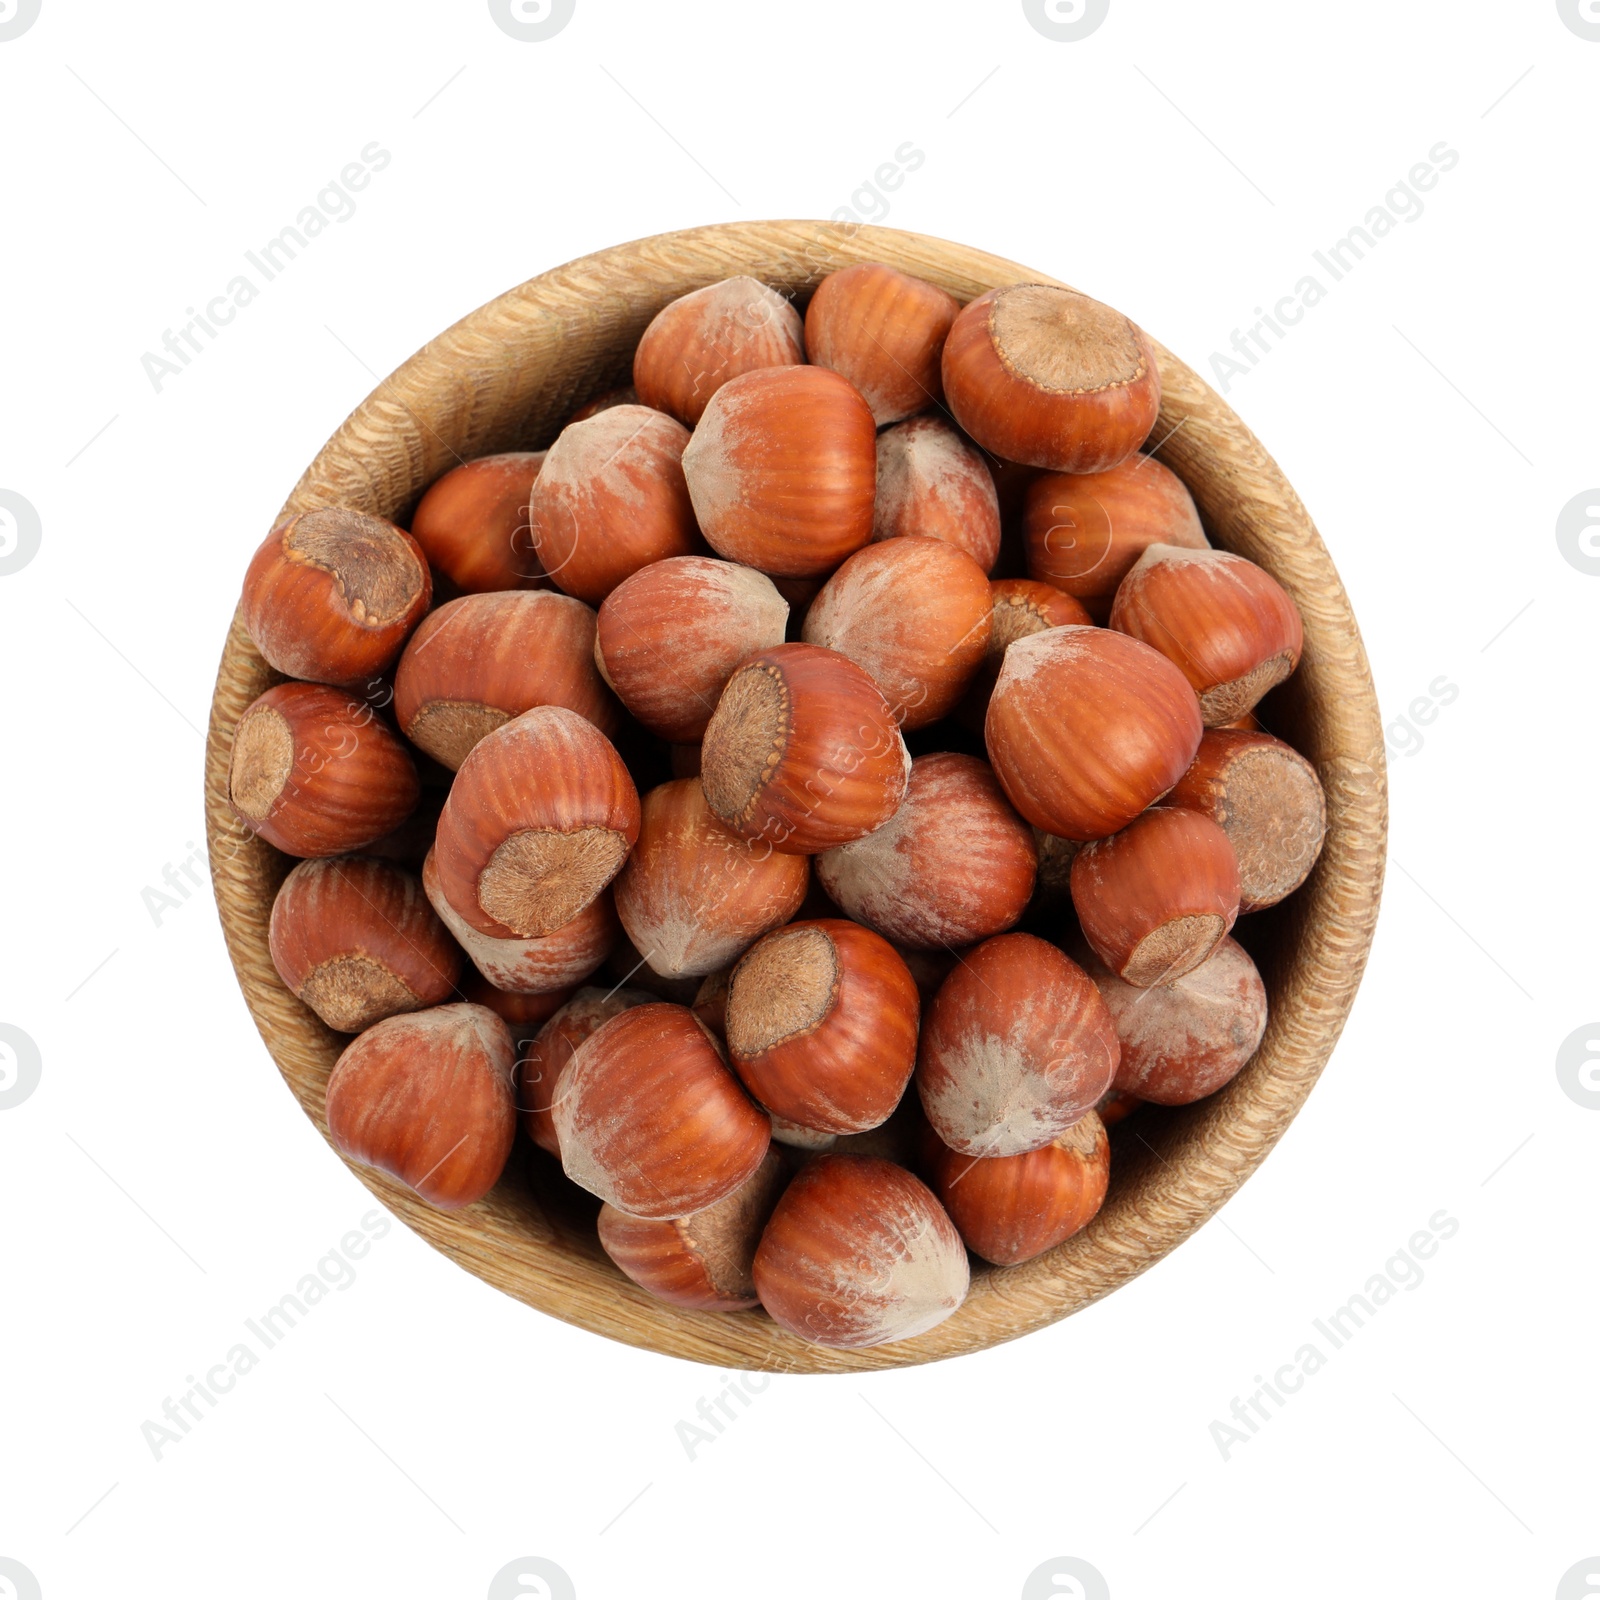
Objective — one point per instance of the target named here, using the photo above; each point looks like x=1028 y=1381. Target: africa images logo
x=1066 y=21
x=16 y=17
x=532 y=21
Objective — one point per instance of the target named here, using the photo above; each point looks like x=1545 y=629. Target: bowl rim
x=503 y=378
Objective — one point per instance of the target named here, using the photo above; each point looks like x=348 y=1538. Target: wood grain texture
x=505 y=378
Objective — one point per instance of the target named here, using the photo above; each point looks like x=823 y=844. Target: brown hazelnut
x=540 y=819
x=1084 y=730
x=479 y=661
x=914 y=614
x=1156 y=899
x=356 y=940
x=544 y=1058
x=611 y=499
x=803 y=751
x=859 y=1253
x=1184 y=1040
x=693 y=894
x=539 y=965
x=883 y=330
x=705 y=1261
x=1268 y=799
x=1016 y=1046
x=670 y=636
x=781 y=470
x=954 y=865
x=1044 y=376
x=650 y=1119
x=427 y=1097
x=331 y=595
x=473 y=524
x=1013 y=1208
x=933 y=484
x=315 y=773
x=699 y=341
x=1083 y=531
x=822 y=1025
x=1225 y=623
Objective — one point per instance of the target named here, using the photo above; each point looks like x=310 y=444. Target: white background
x=419 y=1431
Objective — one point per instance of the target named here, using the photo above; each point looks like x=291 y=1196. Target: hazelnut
x=541 y=965
x=1046 y=377
x=1018 y=607
x=822 y=1025
x=954 y=865
x=1156 y=899
x=781 y=470
x=649 y=1118
x=1222 y=620
x=1016 y=1046
x=473 y=524
x=611 y=499
x=933 y=484
x=883 y=330
x=1083 y=531
x=477 y=662
x=1268 y=799
x=427 y=1097
x=356 y=941
x=540 y=819
x=1013 y=1208
x=545 y=1057
x=859 y=1253
x=699 y=341
x=914 y=614
x=705 y=1261
x=670 y=636
x=315 y=773
x=1084 y=731
x=331 y=595
x=803 y=751
x=1184 y=1040
x=694 y=895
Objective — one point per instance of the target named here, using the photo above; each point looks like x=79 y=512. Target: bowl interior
x=505 y=378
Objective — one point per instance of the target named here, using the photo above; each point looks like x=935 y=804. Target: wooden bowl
x=505 y=378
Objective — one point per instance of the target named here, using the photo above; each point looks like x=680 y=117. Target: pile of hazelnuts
x=691 y=796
